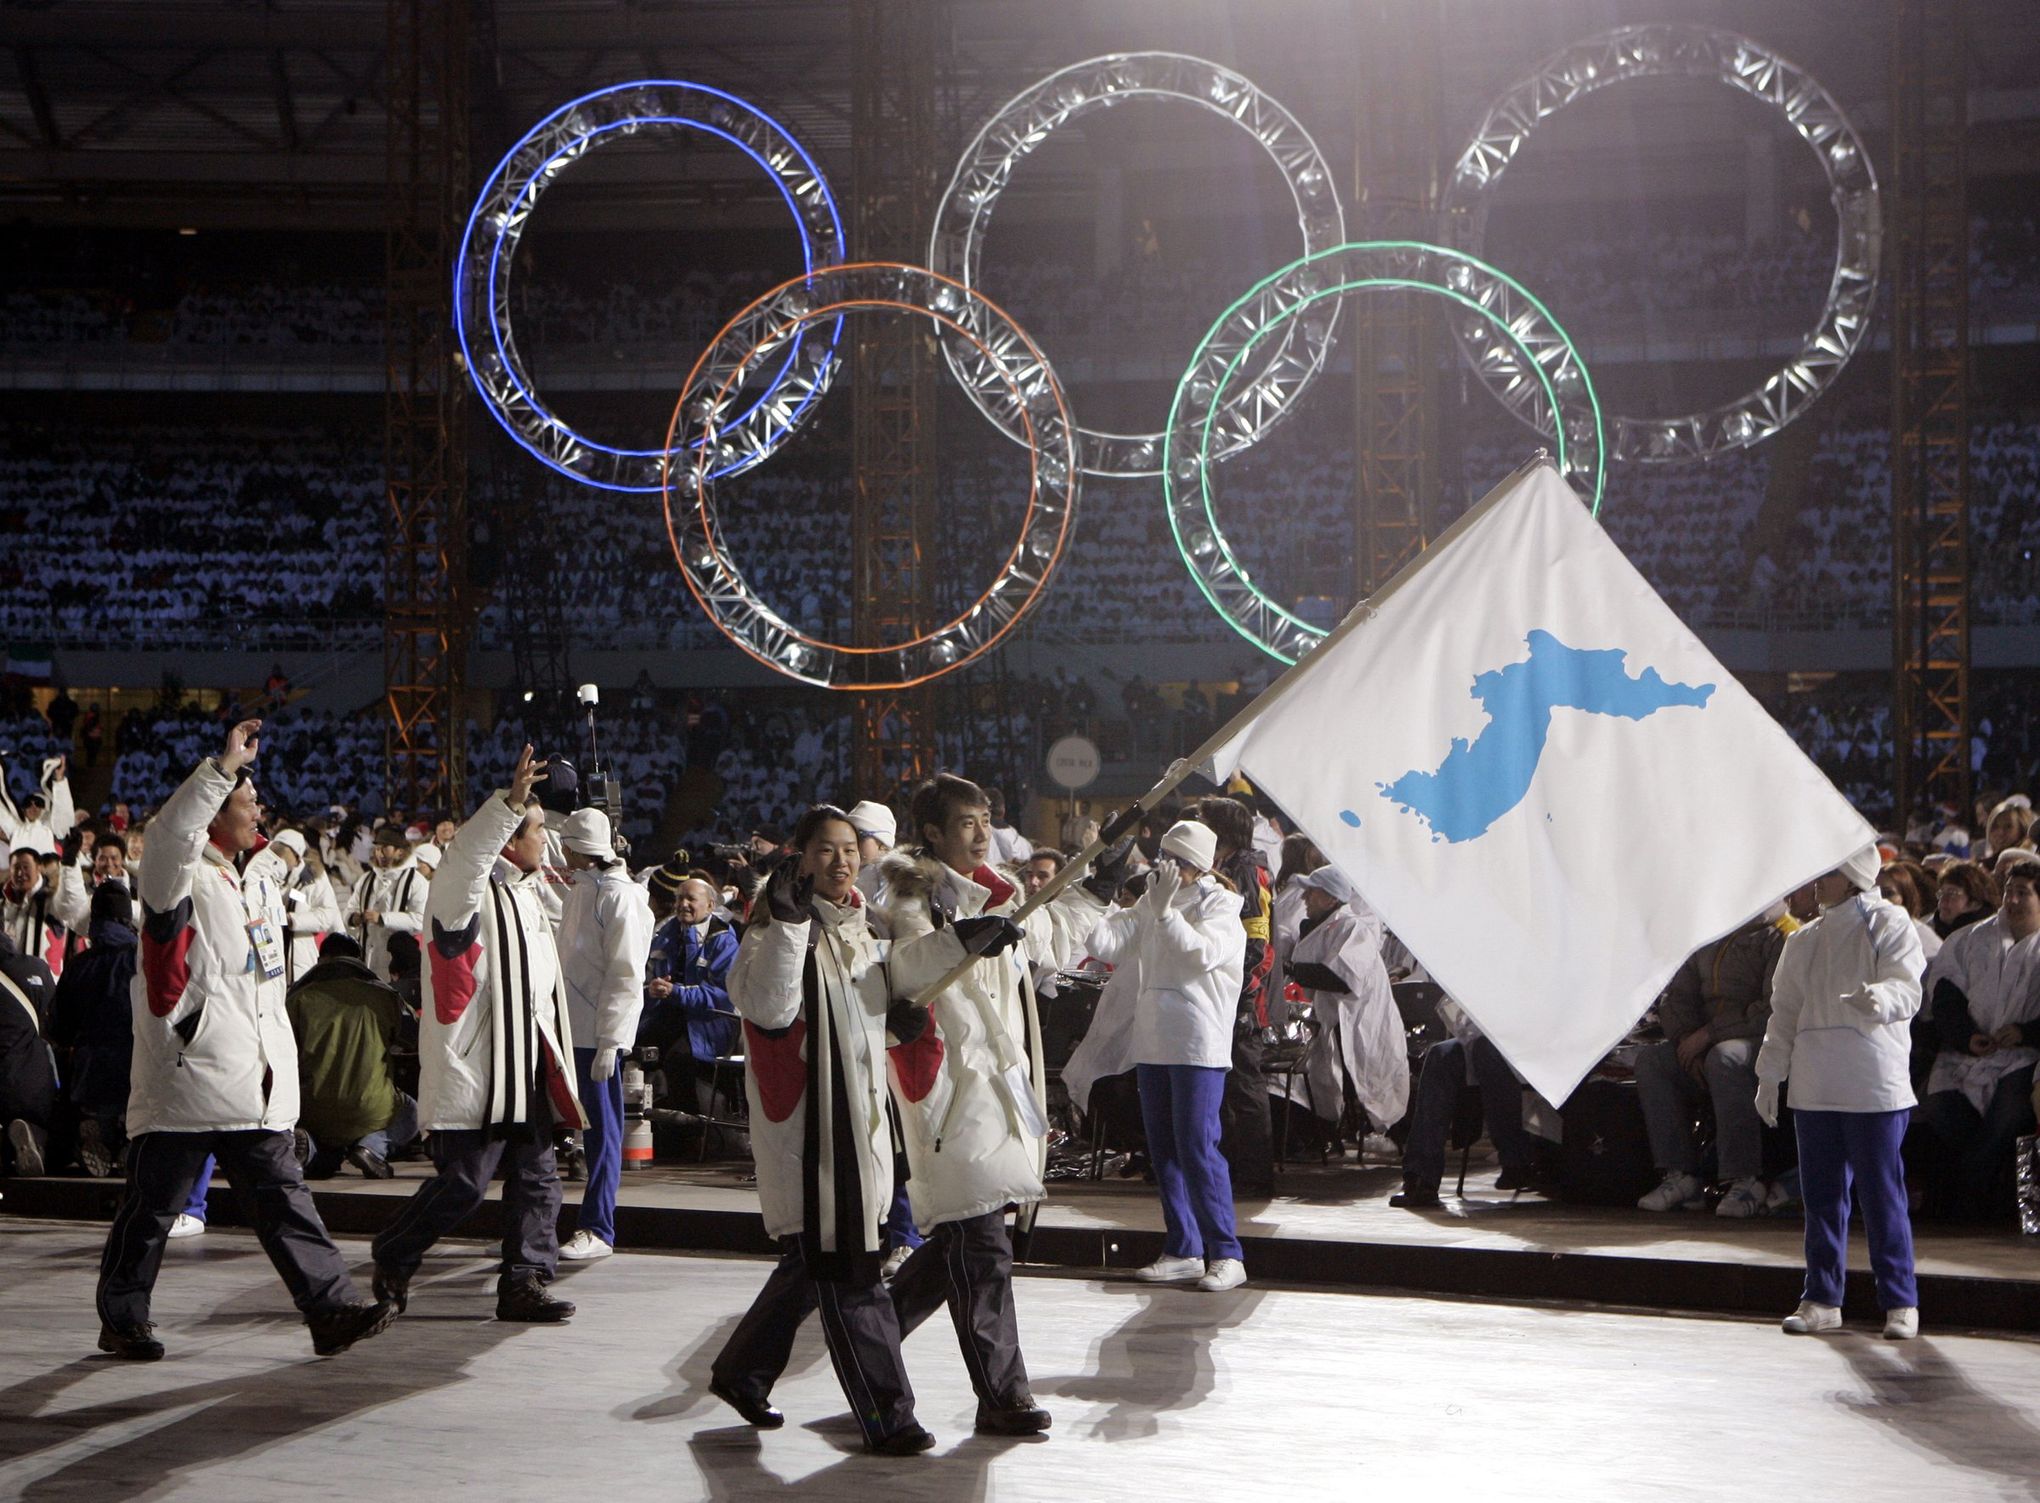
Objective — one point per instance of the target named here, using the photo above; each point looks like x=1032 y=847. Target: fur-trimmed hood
x=911 y=877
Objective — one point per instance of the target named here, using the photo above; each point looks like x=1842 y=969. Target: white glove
x=1767 y=1102
x=604 y=1064
x=1163 y=885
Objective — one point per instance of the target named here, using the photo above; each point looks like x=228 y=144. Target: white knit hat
x=290 y=840
x=1330 y=881
x=428 y=854
x=1195 y=843
x=586 y=831
x=1862 y=868
x=868 y=818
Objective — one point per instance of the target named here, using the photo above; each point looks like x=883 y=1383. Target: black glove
x=1108 y=872
x=988 y=934
x=906 y=1022
x=787 y=894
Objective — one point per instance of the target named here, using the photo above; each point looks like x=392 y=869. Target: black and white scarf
x=837 y=1223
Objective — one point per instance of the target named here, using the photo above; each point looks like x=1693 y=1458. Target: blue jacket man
x=686 y=997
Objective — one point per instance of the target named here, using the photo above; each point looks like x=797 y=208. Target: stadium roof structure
x=270 y=112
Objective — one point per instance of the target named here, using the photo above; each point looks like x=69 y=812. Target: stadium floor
x=1261 y=1393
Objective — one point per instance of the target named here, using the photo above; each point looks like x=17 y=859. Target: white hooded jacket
x=213 y=1045
x=967 y=1150
x=605 y=942
x=398 y=894
x=1842 y=1002
x=1187 y=962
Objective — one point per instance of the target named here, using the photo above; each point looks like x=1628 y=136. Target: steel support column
x=894 y=169
x=424 y=434
x=1397 y=336
x=1928 y=232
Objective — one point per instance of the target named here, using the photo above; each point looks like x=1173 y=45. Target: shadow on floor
x=1157 y=1359
x=1930 y=1403
x=146 y=1443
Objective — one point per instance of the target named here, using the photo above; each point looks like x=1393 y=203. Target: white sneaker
x=894 y=1262
x=1901 y=1324
x=583 y=1247
x=1223 y=1274
x=1380 y=1148
x=1168 y=1270
x=1811 y=1319
x=186 y=1225
x=28 y=1141
x=1745 y=1198
x=1678 y=1188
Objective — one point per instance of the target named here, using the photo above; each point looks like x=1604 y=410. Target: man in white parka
x=495 y=1054
x=215 y=1066
x=970 y=1090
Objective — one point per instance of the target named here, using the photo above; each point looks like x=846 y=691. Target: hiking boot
x=134 y=1343
x=338 y=1327
x=529 y=1304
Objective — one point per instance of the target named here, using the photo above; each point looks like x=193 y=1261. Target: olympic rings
x=775 y=321
x=1024 y=122
x=1666 y=50
x=503 y=210
x=1538 y=347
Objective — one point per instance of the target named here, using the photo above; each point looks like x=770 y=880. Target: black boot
x=911 y=1441
x=528 y=1303
x=1021 y=1416
x=1416 y=1198
x=756 y=1410
x=372 y=1165
x=337 y=1328
x=393 y=1288
x=135 y=1343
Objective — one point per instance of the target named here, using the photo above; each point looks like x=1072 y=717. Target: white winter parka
x=1187 y=963
x=967 y=1150
x=495 y=1026
x=1842 y=1001
x=848 y=1018
x=213 y=1045
x=605 y=941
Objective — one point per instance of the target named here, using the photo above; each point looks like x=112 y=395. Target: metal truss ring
x=956 y=248
x=1667 y=50
x=719 y=446
x=502 y=212
x=1521 y=346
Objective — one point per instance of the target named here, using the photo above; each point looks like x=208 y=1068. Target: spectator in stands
x=45 y=817
x=688 y=1016
x=1986 y=1017
x=1843 y=993
x=28 y=1073
x=605 y=939
x=1713 y=1014
x=92 y=1027
x=1911 y=886
x=2005 y=830
x=1964 y=894
x=1185 y=948
x=1010 y=849
x=346 y=1019
x=1449 y=1066
x=1360 y=1045
x=1040 y=867
x=1248 y=1140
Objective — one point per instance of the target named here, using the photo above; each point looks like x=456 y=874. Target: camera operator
x=605 y=939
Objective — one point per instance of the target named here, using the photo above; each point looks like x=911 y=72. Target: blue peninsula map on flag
x=1482 y=780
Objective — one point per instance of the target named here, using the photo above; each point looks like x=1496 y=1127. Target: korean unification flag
x=1540 y=779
